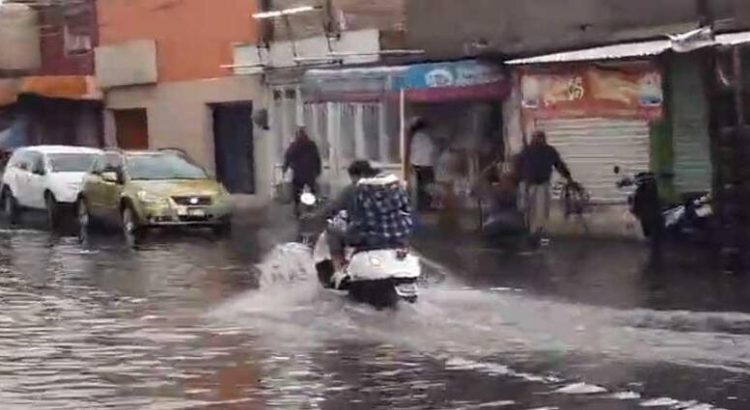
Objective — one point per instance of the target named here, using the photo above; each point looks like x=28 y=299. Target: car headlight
x=144 y=196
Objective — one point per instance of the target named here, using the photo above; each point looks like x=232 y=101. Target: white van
x=45 y=177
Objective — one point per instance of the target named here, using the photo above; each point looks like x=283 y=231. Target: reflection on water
x=188 y=323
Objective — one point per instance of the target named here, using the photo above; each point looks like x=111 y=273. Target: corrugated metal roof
x=624 y=50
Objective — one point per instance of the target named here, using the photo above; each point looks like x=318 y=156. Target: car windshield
x=163 y=166
x=72 y=162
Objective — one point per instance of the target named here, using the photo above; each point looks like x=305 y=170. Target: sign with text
x=458 y=80
x=635 y=92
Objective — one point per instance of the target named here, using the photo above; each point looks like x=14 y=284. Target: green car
x=138 y=190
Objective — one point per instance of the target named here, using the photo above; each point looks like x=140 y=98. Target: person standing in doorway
x=303 y=158
x=535 y=165
x=422 y=153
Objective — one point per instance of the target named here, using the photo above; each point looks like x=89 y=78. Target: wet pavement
x=189 y=322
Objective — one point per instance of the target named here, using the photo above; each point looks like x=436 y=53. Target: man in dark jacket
x=535 y=165
x=303 y=158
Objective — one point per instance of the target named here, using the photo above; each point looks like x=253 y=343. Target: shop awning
x=71 y=87
x=466 y=80
x=351 y=84
x=628 y=50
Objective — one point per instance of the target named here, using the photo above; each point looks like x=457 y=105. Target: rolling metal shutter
x=593 y=146
x=690 y=140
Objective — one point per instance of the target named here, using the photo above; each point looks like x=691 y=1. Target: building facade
x=333 y=34
x=163 y=69
x=52 y=96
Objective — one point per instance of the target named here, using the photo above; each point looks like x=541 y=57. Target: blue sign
x=465 y=73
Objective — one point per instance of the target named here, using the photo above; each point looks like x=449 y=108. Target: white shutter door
x=593 y=146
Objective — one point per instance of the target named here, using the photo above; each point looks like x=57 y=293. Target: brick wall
x=193 y=37
x=78 y=19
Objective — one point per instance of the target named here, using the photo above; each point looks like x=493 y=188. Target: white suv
x=45 y=177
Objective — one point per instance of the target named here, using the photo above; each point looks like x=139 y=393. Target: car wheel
x=130 y=229
x=10 y=206
x=53 y=211
x=84 y=220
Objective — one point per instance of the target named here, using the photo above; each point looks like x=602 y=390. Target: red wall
x=193 y=37
x=80 y=16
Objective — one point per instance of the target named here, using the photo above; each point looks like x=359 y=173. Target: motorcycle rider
x=345 y=201
x=381 y=218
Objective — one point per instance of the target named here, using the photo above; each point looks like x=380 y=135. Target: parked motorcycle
x=692 y=221
x=379 y=277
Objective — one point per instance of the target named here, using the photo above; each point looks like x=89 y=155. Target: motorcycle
x=692 y=221
x=308 y=228
x=379 y=277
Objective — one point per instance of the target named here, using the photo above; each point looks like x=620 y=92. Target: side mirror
x=39 y=170
x=110 y=176
x=616 y=170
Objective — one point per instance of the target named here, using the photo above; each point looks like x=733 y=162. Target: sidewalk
x=609 y=222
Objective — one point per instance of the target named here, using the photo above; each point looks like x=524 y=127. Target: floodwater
x=188 y=322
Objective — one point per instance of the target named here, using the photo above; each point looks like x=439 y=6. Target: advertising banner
x=458 y=80
x=593 y=92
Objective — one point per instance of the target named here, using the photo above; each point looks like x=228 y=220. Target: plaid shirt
x=382 y=215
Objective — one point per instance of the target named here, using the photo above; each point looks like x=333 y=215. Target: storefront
x=352 y=114
x=461 y=104
x=597 y=116
x=50 y=110
x=364 y=113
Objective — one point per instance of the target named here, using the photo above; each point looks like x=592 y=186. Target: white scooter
x=380 y=277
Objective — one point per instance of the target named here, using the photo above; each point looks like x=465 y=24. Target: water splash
x=287 y=263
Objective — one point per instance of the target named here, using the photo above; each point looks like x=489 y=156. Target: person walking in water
x=303 y=158
x=536 y=162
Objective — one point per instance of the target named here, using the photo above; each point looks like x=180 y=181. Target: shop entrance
x=233 y=146
x=467 y=138
x=132 y=128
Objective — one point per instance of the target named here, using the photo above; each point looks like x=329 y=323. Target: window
x=36 y=162
x=112 y=161
x=73 y=162
x=346 y=144
x=76 y=44
x=163 y=167
x=371 y=131
x=17 y=159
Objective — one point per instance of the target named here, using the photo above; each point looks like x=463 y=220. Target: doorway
x=131 y=126
x=233 y=146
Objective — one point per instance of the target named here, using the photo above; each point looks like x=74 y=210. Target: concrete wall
x=383 y=15
x=281 y=53
x=193 y=37
x=19 y=38
x=127 y=63
x=451 y=28
x=179 y=115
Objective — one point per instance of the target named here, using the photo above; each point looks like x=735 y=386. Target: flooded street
x=187 y=322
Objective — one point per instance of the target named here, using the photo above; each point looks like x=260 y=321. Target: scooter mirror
x=616 y=169
x=308 y=199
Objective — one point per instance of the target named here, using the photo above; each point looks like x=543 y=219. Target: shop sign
x=455 y=74
x=593 y=92
x=467 y=80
